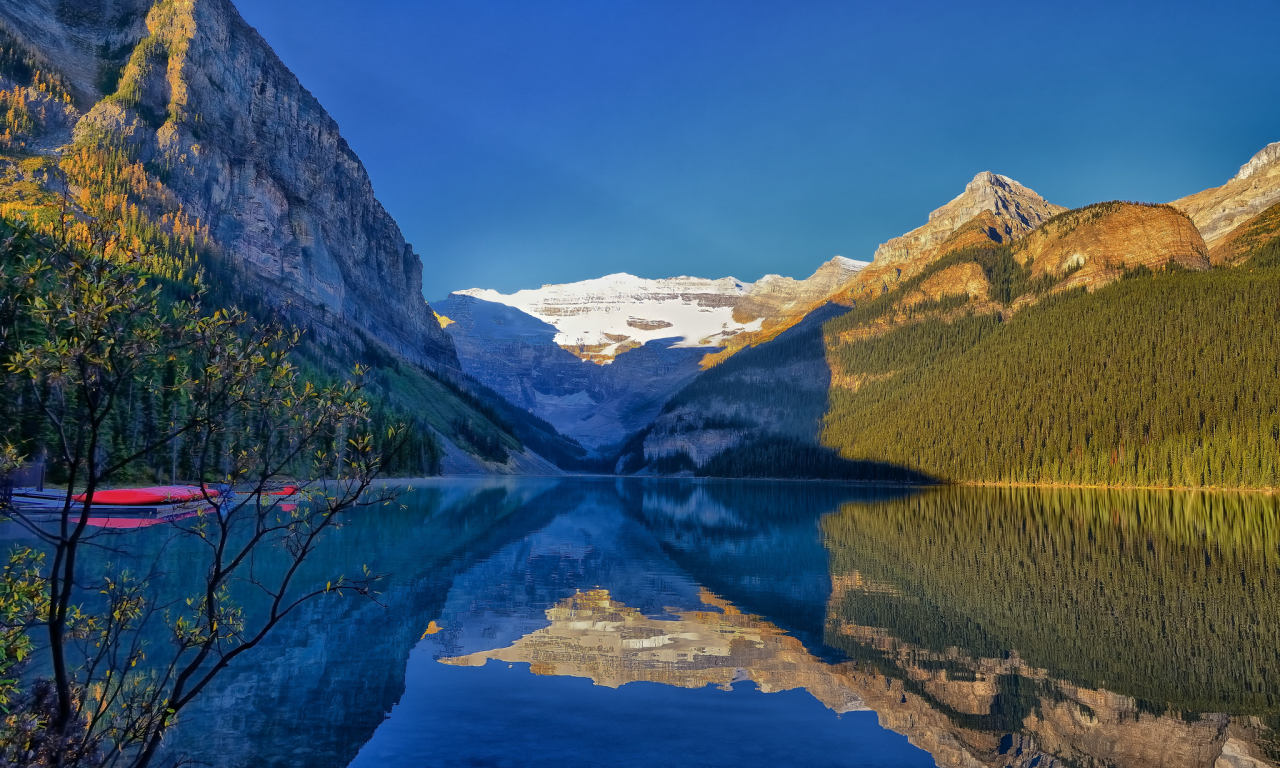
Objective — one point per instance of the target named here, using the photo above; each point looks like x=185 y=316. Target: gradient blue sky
x=520 y=143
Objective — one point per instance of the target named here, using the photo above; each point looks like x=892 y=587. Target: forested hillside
x=1164 y=378
x=756 y=414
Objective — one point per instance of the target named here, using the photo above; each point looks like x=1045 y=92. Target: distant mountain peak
x=600 y=318
x=1017 y=209
x=1266 y=156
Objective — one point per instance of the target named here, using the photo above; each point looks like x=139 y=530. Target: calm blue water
x=585 y=622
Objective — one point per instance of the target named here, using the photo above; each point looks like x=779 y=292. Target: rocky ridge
x=1217 y=212
x=992 y=209
x=1016 y=209
x=598 y=320
x=1260 y=231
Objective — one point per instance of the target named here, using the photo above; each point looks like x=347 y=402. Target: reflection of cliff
x=319 y=687
x=1002 y=628
x=1000 y=713
x=593 y=636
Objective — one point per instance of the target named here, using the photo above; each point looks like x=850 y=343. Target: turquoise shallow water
x=583 y=622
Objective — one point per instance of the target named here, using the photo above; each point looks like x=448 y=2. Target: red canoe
x=160 y=494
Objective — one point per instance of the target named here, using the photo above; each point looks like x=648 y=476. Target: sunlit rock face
x=1093 y=246
x=247 y=151
x=992 y=210
x=1217 y=212
x=1017 y=211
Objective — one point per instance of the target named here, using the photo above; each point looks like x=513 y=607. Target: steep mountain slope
x=192 y=91
x=757 y=414
x=1161 y=379
x=1217 y=212
x=181 y=139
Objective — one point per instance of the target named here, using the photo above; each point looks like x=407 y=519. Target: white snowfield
x=620 y=309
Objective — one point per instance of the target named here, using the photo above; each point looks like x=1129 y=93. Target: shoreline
x=1269 y=491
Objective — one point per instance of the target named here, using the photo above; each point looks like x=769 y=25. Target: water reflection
x=1090 y=628
x=593 y=636
x=986 y=627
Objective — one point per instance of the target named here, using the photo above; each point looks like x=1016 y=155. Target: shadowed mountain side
x=514 y=353
x=757 y=414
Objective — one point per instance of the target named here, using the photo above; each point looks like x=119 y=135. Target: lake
x=585 y=622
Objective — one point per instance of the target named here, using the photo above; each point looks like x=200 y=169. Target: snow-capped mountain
x=602 y=318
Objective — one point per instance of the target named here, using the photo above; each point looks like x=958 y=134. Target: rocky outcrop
x=1217 y=212
x=248 y=152
x=1094 y=245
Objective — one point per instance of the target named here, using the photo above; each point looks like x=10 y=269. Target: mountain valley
x=175 y=124
x=866 y=370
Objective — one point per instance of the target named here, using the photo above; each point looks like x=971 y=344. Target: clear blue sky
x=521 y=143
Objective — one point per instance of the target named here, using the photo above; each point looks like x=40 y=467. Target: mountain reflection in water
x=987 y=627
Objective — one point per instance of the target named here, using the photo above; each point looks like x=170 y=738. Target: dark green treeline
x=1161 y=380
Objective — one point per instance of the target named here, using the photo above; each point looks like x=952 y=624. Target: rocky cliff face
x=194 y=94
x=1217 y=212
x=1094 y=245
